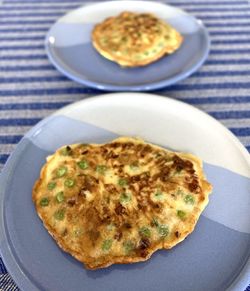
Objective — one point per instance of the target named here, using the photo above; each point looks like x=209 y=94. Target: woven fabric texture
x=31 y=88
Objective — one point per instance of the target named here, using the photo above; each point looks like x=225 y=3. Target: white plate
x=214 y=257
x=69 y=47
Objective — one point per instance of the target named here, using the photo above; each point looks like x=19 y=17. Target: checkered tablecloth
x=31 y=89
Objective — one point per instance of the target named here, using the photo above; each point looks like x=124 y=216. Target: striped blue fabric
x=31 y=89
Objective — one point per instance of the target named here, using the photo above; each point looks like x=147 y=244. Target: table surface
x=31 y=89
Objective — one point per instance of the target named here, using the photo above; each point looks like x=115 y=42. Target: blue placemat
x=31 y=89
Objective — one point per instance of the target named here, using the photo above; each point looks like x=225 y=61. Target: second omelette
x=135 y=39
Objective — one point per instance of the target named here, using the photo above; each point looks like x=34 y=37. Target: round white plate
x=214 y=257
x=69 y=48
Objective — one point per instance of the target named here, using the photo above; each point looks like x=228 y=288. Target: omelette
x=121 y=201
x=135 y=39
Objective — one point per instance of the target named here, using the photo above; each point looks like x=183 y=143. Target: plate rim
x=20 y=277
x=83 y=80
x=172 y=100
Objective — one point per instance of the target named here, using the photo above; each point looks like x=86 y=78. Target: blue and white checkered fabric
x=31 y=89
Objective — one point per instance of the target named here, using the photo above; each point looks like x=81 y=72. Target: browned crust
x=206 y=189
x=125 y=61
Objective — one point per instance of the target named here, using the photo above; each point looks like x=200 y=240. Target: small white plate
x=68 y=45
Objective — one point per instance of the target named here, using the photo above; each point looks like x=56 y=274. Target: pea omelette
x=135 y=39
x=121 y=201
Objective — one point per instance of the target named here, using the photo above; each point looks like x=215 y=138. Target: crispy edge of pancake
x=125 y=62
x=206 y=189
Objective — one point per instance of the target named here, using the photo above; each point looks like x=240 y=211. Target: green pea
x=179 y=192
x=122 y=182
x=163 y=230
x=128 y=246
x=134 y=165
x=125 y=198
x=155 y=222
x=44 y=202
x=59 y=214
x=66 y=151
x=51 y=185
x=181 y=213
x=83 y=165
x=145 y=231
x=101 y=169
x=69 y=183
x=61 y=172
x=107 y=244
x=189 y=199
x=60 y=197
x=159 y=195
